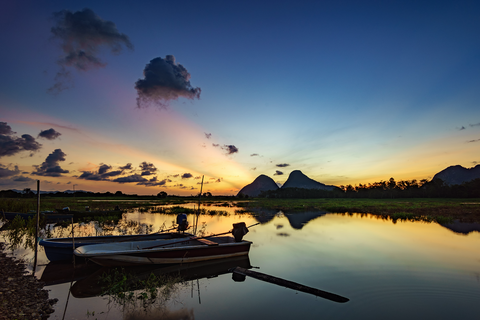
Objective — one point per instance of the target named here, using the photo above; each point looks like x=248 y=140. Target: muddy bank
x=21 y=295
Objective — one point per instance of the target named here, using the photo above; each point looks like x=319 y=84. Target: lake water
x=402 y=270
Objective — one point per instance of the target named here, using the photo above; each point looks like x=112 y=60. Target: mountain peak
x=297 y=179
x=261 y=183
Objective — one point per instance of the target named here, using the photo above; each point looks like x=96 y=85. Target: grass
x=124 y=287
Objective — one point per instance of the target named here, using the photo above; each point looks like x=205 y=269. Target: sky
x=150 y=96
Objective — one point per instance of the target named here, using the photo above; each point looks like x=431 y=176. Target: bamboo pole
x=290 y=284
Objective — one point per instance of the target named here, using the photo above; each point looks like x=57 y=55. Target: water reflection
x=403 y=270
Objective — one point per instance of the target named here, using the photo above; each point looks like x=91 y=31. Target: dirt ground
x=21 y=295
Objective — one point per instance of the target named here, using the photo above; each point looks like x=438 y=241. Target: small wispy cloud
x=282 y=165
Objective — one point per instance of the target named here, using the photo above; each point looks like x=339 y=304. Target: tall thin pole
x=37 y=227
x=195 y=223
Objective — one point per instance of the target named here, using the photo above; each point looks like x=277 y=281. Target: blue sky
x=346 y=91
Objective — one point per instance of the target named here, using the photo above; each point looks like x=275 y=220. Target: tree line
x=436 y=188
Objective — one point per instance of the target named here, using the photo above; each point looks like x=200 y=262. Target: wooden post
x=290 y=284
x=37 y=227
x=73 y=244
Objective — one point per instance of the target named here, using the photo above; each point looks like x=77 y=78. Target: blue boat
x=58 y=249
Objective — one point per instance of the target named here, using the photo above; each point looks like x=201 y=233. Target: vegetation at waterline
x=390 y=189
x=124 y=288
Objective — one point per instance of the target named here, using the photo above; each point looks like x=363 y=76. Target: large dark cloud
x=147 y=168
x=11 y=144
x=282 y=165
x=49 y=134
x=82 y=34
x=50 y=167
x=187 y=176
x=164 y=80
x=5 y=171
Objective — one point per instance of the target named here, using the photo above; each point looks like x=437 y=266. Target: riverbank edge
x=21 y=295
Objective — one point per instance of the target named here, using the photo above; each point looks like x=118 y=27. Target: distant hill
x=297 y=179
x=261 y=183
x=458 y=174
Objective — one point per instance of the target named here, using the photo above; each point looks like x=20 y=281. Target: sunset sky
x=149 y=96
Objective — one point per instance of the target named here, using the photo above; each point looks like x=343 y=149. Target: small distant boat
x=164 y=252
x=58 y=249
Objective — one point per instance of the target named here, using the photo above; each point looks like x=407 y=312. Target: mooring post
x=37 y=227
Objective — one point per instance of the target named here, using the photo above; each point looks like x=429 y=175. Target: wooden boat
x=58 y=249
x=164 y=252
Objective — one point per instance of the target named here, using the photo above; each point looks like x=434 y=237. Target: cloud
x=475 y=125
x=128 y=166
x=6 y=172
x=49 y=134
x=164 y=81
x=5 y=129
x=147 y=168
x=11 y=145
x=282 y=165
x=132 y=178
x=208 y=135
x=470 y=141
x=50 y=167
x=231 y=149
x=254 y=155
x=22 y=179
x=103 y=173
x=82 y=34
x=278 y=173
x=462 y=128
x=254 y=169
x=154 y=182
x=186 y=175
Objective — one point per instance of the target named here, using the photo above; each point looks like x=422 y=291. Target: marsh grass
x=126 y=288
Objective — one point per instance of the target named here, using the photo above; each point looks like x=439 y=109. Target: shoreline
x=21 y=295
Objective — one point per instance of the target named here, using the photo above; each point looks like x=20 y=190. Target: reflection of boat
x=94 y=284
x=159 y=252
x=62 y=248
x=57 y=272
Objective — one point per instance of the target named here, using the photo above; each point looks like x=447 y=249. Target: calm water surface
x=406 y=270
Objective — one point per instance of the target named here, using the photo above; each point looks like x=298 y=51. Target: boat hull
x=174 y=254
x=60 y=249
